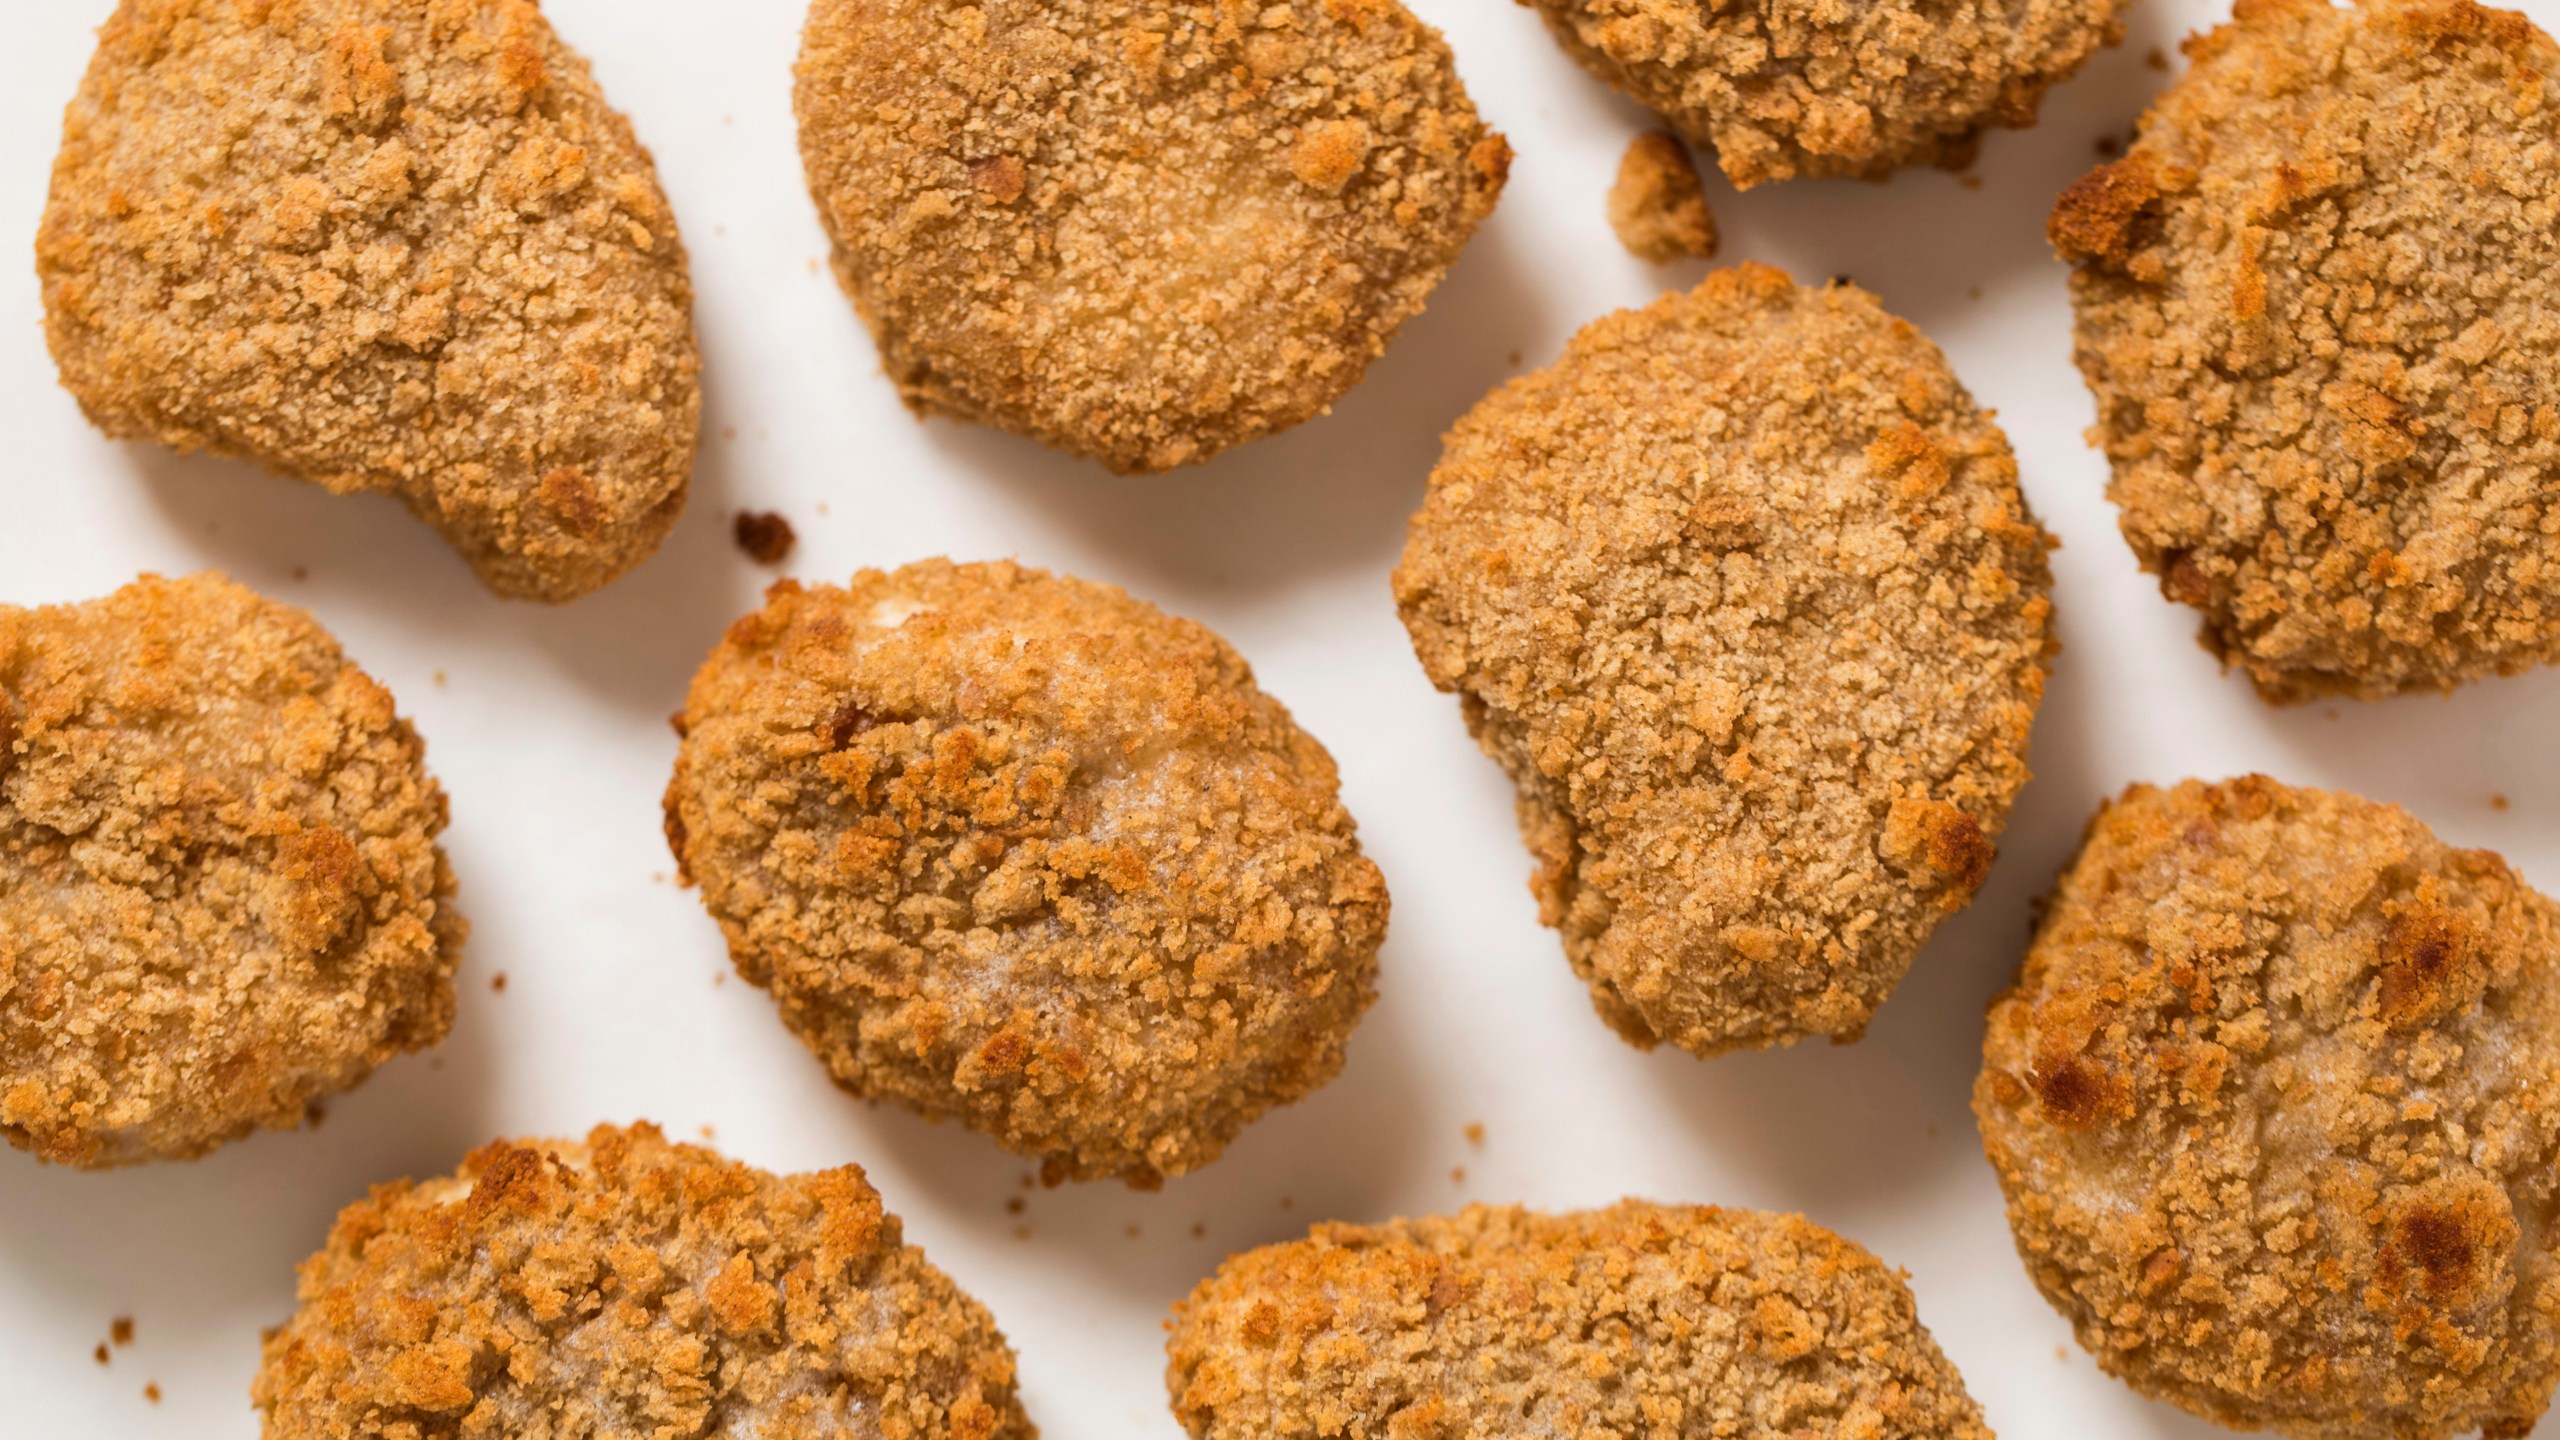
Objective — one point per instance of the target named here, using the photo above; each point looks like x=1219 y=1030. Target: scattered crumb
x=822 y=507
x=1843 y=280
x=151 y=1392
x=1973 y=292
x=435 y=1062
x=439 y=679
x=2156 y=58
x=2498 y=802
x=1131 y=1232
x=2108 y=146
x=719 y=229
x=1515 y=359
x=1475 y=1132
x=301 y=572
x=315 y=1115
x=813 y=264
x=766 y=537
x=121 y=1330
x=2063 y=1352
x=1029 y=1179
x=1458 y=1175
x=720 y=979
x=498 y=982
x=1657 y=206
x=100 y=1354
x=1199 y=1230
x=1930 y=1130
x=1016 y=1205
x=1021 y=1232
x=1288 y=1204
x=2333 y=713
x=1970 y=182
x=709 y=1134
x=728 y=432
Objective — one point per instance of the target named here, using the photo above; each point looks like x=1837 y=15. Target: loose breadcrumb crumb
x=767 y=538
x=1657 y=205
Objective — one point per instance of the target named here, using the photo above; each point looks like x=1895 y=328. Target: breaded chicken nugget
x=382 y=246
x=2276 y=1103
x=1743 y=594
x=1493 y=1323
x=2319 y=303
x=1137 y=231
x=221 y=897
x=1782 y=88
x=629 y=1287
x=1020 y=850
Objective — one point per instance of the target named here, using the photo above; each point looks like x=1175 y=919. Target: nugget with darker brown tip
x=1135 y=231
x=394 y=247
x=2316 y=303
x=1782 y=88
x=1743 y=594
x=1019 y=850
x=2276 y=1104
x=626 y=1286
x=221 y=898
x=1497 y=1322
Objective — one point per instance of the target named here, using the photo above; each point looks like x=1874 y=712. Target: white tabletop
x=549 y=729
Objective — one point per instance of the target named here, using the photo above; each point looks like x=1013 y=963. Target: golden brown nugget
x=630 y=1287
x=1782 y=88
x=1635 y=1320
x=1137 y=231
x=1019 y=850
x=1656 y=204
x=221 y=897
x=2319 y=304
x=1743 y=594
x=396 y=247
x=2276 y=1103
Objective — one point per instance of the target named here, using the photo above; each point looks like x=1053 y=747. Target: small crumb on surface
x=1199 y=1230
x=2498 y=802
x=1970 y=182
x=301 y=572
x=1475 y=1132
x=2156 y=58
x=1288 y=1204
x=2108 y=146
x=709 y=1134
x=1458 y=1175
x=1657 y=206
x=121 y=1330
x=100 y=1354
x=1131 y=1232
x=498 y=982
x=1016 y=1205
x=766 y=537
x=439 y=679
x=151 y=1392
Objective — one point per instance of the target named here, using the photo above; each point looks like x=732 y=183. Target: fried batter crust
x=221 y=897
x=1782 y=88
x=1022 y=851
x=1656 y=204
x=397 y=247
x=1635 y=1320
x=2276 y=1104
x=2319 y=303
x=1743 y=594
x=629 y=1287
x=1138 y=231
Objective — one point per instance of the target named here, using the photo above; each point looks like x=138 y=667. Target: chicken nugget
x=1496 y=1322
x=1743 y=594
x=2316 y=303
x=1134 y=231
x=2276 y=1105
x=1020 y=850
x=1782 y=88
x=221 y=897
x=630 y=1287
x=388 y=246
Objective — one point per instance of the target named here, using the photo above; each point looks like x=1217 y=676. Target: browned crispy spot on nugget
x=2314 y=303
x=1656 y=204
x=1504 y=1322
x=1781 y=88
x=221 y=897
x=2276 y=1105
x=1134 y=231
x=1744 y=595
x=627 y=1286
x=1020 y=850
x=397 y=247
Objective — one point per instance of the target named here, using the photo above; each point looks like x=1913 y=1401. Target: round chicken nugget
x=1743 y=594
x=1135 y=231
x=1021 y=850
x=1635 y=1320
x=1782 y=88
x=382 y=246
x=629 y=1287
x=2276 y=1103
x=221 y=897
x=2319 y=303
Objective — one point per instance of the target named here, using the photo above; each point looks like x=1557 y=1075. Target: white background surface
x=549 y=729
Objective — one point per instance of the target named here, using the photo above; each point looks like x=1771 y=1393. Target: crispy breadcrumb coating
x=1656 y=204
x=1138 y=231
x=1743 y=594
x=629 y=1287
x=2319 y=303
x=1493 y=1323
x=2276 y=1104
x=1020 y=850
x=221 y=897
x=1782 y=88
x=396 y=247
